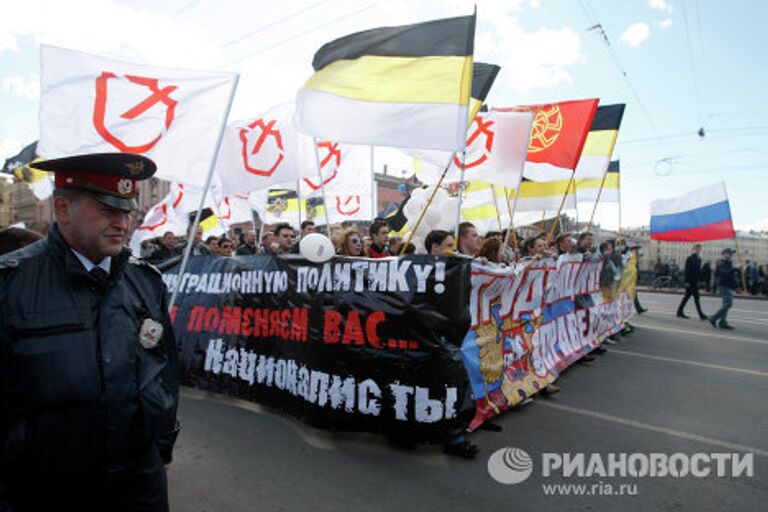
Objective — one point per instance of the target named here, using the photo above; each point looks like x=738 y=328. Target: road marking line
x=654 y=428
x=313 y=439
x=691 y=363
x=702 y=333
x=749 y=320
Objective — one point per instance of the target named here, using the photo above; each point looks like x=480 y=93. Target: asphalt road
x=673 y=386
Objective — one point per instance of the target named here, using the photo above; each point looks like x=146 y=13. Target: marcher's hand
x=167 y=467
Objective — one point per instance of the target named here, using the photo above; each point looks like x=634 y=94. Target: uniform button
x=107 y=360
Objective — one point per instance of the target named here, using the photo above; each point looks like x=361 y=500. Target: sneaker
x=610 y=340
x=713 y=322
x=726 y=326
x=587 y=358
x=627 y=330
x=641 y=311
x=599 y=351
x=551 y=389
x=682 y=315
x=703 y=317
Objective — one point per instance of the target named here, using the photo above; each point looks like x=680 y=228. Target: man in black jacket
x=725 y=281
x=692 y=277
x=88 y=360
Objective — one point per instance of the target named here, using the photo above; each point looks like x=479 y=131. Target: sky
x=678 y=65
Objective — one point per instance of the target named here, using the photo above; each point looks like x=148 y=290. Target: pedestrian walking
x=725 y=282
x=692 y=276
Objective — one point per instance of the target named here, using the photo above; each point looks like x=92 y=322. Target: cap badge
x=135 y=168
x=125 y=186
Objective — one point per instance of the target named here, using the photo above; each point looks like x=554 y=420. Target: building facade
x=752 y=247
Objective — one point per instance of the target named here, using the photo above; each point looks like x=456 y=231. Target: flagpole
x=322 y=187
x=512 y=215
x=619 y=197
x=735 y=240
x=298 y=198
x=576 y=200
x=600 y=193
x=559 y=211
x=458 y=210
x=373 y=187
x=741 y=262
x=208 y=179
x=519 y=186
x=429 y=202
x=496 y=205
x=259 y=234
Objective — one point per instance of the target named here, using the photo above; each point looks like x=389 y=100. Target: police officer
x=88 y=360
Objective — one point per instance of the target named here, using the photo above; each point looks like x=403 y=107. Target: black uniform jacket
x=79 y=394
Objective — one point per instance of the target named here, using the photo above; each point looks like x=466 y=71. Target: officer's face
x=93 y=229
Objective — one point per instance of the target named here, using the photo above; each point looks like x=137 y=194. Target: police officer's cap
x=111 y=178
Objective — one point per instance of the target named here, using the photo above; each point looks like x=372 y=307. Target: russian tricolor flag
x=700 y=215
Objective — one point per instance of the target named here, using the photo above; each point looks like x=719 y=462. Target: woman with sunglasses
x=351 y=243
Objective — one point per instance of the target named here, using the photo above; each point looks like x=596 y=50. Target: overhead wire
x=274 y=23
x=301 y=34
x=593 y=19
x=691 y=61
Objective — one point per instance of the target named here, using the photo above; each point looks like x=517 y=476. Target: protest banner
x=378 y=345
x=529 y=323
x=351 y=344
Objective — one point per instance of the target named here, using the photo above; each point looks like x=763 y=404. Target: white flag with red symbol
x=234 y=210
x=345 y=168
x=349 y=206
x=497 y=144
x=346 y=171
x=91 y=104
x=259 y=153
x=168 y=215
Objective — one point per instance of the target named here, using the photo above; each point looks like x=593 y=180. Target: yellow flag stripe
x=209 y=223
x=611 y=181
x=600 y=142
x=429 y=79
x=544 y=188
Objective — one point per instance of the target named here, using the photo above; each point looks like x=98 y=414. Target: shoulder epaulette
x=7 y=263
x=145 y=264
x=14 y=259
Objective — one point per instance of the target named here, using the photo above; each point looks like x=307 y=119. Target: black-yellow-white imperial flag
x=406 y=86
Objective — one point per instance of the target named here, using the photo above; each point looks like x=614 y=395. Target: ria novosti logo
x=510 y=465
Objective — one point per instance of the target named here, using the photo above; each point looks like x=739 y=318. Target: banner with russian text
x=351 y=344
x=533 y=320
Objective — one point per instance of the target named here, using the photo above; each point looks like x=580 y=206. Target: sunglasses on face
x=226 y=246
x=354 y=240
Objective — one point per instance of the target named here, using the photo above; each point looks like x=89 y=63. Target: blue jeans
x=727 y=296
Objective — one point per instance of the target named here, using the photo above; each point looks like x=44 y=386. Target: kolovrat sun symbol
x=547 y=126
